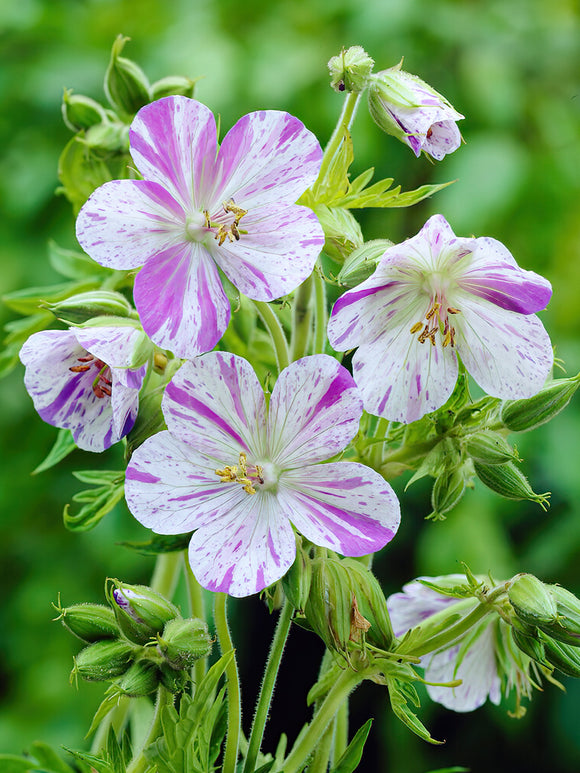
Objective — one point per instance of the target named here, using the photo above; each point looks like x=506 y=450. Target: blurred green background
x=513 y=68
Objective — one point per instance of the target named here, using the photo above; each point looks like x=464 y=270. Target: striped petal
x=114 y=345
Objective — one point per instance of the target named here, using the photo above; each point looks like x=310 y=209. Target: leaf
x=31 y=299
x=98 y=763
x=11 y=763
x=379 y=195
x=48 y=758
x=97 y=502
x=106 y=705
x=63 y=446
x=399 y=694
x=114 y=753
x=160 y=543
x=335 y=180
x=73 y=264
x=352 y=755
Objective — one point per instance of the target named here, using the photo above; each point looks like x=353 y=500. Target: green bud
x=184 y=641
x=329 y=607
x=297 y=580
x=107 y=137
x=523 y=415
x=489 y=448
x=126 y=85
x=103 y=660
x=89 y=622
x=567 y=626
x=371 y=604
x=341 y=230
x=350 y=70
x=532 y=600
x=530 y=644
x=564 y=657
x=508 y=481
x=80 y=112
x=140 y=679
x=362 y=262
x=141 y=612
x=173 y=85
x=447 y=491
x=84 y=306
x=172 y=680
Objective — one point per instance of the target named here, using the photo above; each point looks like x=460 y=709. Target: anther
x=451 y=310
x=416 y=327
x=433 y=310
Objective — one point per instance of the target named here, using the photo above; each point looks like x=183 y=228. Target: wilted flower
x=432 y=298
x=199 y=209
x=413 y=112
x=82 y=379
x=242 y=475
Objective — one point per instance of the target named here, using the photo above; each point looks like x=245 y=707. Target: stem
x=376 y=454
x=233 y=680
x=268 y=684
x=166 y=573
x=139 y=762
x=320 y=312
x=335 y=141
x=197 y=608
x=340 y=736
x=341 y=689
x=274 y=328
x=302 y=319
x=321 y=756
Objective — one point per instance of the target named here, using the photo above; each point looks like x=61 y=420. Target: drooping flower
x=486 y=658
x=82 y=379
x=198 y=210
x=412 y=111
x=242 y=475
x=433 y=298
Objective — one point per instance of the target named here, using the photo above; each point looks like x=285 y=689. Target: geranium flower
x=485 y=658
x=412 y=111
x=433 y=298
x=81 y=379
x=242 y=474
x=199 y=210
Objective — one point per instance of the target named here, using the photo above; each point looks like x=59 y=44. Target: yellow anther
x=416 y=327
x=447 y=339
x=433 y=310
x=451 y=310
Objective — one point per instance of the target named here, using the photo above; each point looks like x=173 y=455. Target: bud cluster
x=137 y=642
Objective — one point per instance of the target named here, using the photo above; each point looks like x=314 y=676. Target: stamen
x=234 y=474
x=433 y=310
x=416 y=327
x=80 y=368
x=451 y=310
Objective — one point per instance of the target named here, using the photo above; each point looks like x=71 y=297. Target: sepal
x=126 y=85
x=141 y=612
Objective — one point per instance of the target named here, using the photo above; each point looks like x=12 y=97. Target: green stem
x=166 y=573
x=305 y=745
x=302 y=319
x=376 y=453
x=268 y=684
x=274 y=328
x=197 y=608
x=334 y=143
x=320 y=312
x=340 y=736
x=321 y=756
x=233 y=680
x=139 y=763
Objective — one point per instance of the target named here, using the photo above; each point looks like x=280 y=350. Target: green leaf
x=98 y=763
x=335 y=180
x=48 y=758
x=379 y=195
x=106 y=705
x=400 y=693
x=97 y=502
x=73 y=264
x=353 y=752
x=160 y=543
x=11 y=763
x=114 y=753
x=18 y=331
x=31 y=299
x=62 y=447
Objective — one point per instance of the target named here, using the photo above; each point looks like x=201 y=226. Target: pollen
x=102 y=385
x=437 y=321
x=246 y=476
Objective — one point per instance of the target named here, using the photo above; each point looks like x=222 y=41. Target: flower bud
x=140 y=611
x=330 y=603
x=447 y=491
x=173 y=85
x=532 y=600
x=489 y=448
x=126 y=85
x=567 y=626
x=350 y=70
x=523 y=415
x=184 y=641
x=85 y=306
x=80 y=112
x=371 y=604
x=297 y=580
x=108 y=137
x=564 y=657
x=362 y=262
x=89 y=622
x=140 y=679
x=508 y=481
x=103 y=660
x=530 y=644
x=341 y=231
x=172 y=680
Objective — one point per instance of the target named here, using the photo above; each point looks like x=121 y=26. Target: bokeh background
x=513 y=68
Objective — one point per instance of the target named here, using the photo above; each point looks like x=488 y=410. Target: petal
x=114 y=345
x=277 y=250
x=402 y=379
x=267 y=157
x=416 y=602
x=245 y=549
x=125 y=400
x=314 y=412
x=216 y=404
x=442 y=137
x=508 y=354
x=494 y=276
x=344 y=506
x=174 y=143
x=126 y=222
x=181 y=300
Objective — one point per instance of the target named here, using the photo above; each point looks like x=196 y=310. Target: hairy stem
x=233 y=682
x=139 y=763
x=274 y=328
x=302 y=319
x=197 y=607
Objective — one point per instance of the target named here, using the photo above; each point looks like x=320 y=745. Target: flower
x=412 y=111
x=242 y=475
x=485 y=658
x=198 y=210
x=82 y=379
x=432 y=298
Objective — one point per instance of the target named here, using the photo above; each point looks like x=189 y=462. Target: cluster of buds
x=138 y=642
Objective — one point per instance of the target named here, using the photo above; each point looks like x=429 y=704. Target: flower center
x=223 y=225
x=102 y=383
x=436 y=321
x=247 y=475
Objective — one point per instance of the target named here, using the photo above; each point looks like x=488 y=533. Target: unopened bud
x=447 y=491
x=109 y=137
x=508 y=481
x=89 y=622
x=350 y=70
x=529 y=643
x=297 y=580
x=184 y=641
x=126 y=85
x=532 y=600
x=140 y=679
x=330 y=603
x=371 y=604
x=172 y=680
x=173 y=85
x=564 y=657
x=567 y=626
x=80 y=112
x=84 y=306
x=103 y=660
x=140 y=611
x=362 y=262
x=342 y=232
x=523 y=415
x=489 y=448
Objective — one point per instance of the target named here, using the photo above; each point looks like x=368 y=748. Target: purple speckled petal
x=126 y=222
x=267 y=157
x=216 y=404
x=314 y=412
x=276 y=252
x=114 y=345
x=509 y=354
x=181 y=300
x=494 y=275
x=343 y=506
x=442 y=137
x=416 y=602
x=174 y=143
x=244 y=549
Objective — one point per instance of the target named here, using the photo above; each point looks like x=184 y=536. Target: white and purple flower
x=199 y=210
x=83 y=379
x=431 y=299
x=409 y=109
x=242 y=474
